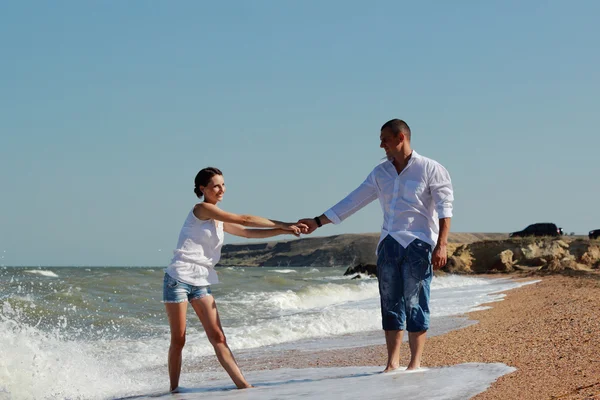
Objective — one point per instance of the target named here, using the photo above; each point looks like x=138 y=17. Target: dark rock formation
x=330 y=251
x=367 y=269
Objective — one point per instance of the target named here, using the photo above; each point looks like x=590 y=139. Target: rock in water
x=369 y=269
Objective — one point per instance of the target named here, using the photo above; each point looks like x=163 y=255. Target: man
x=411 y=189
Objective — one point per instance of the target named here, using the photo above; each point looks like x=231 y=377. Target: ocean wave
x=307 y=298
x=42 y=272
x=29 y=366
x=339 y=278
x=453 y=281
x=293 y=327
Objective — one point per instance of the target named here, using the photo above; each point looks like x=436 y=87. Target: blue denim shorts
x=404 y=284
x=175 y=291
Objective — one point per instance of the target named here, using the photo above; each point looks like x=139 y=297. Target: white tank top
x=198 y=251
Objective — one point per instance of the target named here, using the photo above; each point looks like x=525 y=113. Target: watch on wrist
x=318 y=221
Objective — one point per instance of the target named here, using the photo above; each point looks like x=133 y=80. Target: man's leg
x=392 y=303
x=417 y=273
x=416 y=341
x=393 y=340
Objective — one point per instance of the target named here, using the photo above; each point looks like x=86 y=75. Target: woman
x=191 y=272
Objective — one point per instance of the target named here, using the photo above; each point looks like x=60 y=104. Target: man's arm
x=442 y=194
x=440 y=253
x=360 y=197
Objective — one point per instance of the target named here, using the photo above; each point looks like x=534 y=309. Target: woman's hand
x=295 y=228
x=289 y=232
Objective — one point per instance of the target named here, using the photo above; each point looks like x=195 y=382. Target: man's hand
x=439 y=256
x=310 y=223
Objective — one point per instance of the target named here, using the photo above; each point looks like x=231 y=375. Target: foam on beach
x=461 y=381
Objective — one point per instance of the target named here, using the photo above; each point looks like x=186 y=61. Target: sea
x=102 y=333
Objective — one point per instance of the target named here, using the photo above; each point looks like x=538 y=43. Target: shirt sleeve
x=441 y=191
x=360 y=197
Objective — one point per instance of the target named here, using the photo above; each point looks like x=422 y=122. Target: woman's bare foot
x=246 y=386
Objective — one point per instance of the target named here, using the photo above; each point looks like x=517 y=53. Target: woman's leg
x=176 y=313
x=206 y=309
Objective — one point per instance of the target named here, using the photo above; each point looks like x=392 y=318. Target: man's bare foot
x=412 y=367
x=390 y=368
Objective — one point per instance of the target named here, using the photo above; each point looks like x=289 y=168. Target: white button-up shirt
x=411 y=201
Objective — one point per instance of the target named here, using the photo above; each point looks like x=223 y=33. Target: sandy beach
x=549 y=331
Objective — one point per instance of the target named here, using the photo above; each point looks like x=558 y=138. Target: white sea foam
x=233 y=269
x=466 y=296
x=26 y=298
x=320 y=296
x=456 y=382
x=284 y=271
x=457 y=281
x=42 y=272
x=36 y=365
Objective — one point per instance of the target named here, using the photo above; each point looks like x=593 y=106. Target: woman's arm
x=211 y=211
x=239 y=230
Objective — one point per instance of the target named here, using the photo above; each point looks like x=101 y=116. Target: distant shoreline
x=309 y=251
x=323 y=251
x=468 y=253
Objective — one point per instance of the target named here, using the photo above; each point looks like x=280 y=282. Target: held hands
x=310 y=223
x=305 y=226
x=296 y=228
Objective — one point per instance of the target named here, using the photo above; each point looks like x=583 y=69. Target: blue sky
x=108 y=110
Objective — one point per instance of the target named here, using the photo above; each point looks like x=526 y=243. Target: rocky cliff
x=468 y=253
x=340 y=250
x=544 y=254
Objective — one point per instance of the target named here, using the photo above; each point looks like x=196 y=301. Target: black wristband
x=318 y=221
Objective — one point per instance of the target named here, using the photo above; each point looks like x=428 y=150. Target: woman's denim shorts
x=175 y=291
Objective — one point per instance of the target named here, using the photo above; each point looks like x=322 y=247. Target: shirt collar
x=413 y=156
